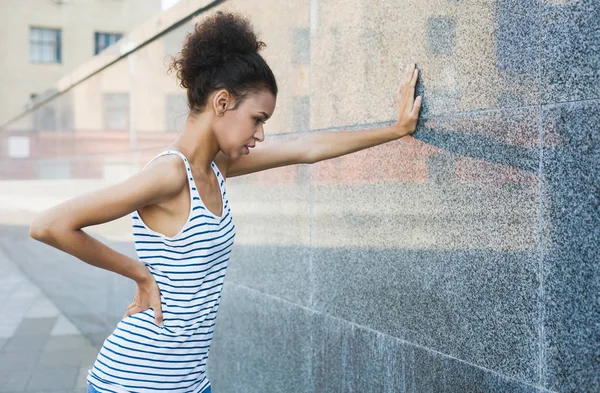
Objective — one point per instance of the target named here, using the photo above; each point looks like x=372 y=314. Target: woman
x=182 y=226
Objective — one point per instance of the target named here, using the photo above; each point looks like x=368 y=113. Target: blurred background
x=462 y=258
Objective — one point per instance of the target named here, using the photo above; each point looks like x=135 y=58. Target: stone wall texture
x=462 y=258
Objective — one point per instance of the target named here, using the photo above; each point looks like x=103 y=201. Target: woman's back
x=189 y=269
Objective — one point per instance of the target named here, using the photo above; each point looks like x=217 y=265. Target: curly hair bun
x=214 y=41
x=222 y=52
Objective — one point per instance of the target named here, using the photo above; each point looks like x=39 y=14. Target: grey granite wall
x=463 y=258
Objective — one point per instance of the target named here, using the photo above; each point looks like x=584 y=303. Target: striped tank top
x=189 y=268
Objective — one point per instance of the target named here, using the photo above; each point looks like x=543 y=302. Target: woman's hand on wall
x=408 y=106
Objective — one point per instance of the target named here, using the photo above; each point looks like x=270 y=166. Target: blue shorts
x=92 y=390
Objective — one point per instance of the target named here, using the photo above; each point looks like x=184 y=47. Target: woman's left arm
x=326 y=145
x=320 y=146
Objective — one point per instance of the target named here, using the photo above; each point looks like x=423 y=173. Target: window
x=45 y=45
x=301 y=46
x=177 y=111
x=116 y=111
x=45 y=118
x=104 y=40
x=301 y=113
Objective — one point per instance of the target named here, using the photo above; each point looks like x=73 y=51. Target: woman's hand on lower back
x=147 y=296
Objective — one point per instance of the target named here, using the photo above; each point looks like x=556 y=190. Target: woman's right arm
x=61 y=226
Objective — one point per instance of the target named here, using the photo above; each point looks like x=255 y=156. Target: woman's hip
x=92 y=390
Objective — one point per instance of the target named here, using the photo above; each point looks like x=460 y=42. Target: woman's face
x=242 y=126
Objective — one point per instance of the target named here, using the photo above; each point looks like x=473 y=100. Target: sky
x=166 y=4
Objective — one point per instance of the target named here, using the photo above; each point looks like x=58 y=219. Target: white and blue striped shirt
x=189 y=268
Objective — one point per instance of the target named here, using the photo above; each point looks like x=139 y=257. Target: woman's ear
x=221 y=101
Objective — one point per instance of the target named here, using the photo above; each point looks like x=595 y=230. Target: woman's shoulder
x=167 y=172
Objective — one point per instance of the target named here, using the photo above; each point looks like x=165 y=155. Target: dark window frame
x=37 y=46
x=103 y=40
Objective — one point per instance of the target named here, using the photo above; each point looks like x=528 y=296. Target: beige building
x=43 y=40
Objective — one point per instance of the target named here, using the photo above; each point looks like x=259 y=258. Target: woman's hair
x=222 y=52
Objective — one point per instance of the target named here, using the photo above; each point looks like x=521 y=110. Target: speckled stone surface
x=262 y=344
x=439 y=240
x=463 y=258
x=472 y=56
x=272 y=234
x=277 y=346
x=570 y=50
x=571 y=244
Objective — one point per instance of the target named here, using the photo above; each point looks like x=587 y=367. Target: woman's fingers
x=405 y=92
x=409 y=90
x=128 y=309
x=413 y=82
x=408 y=105
x=416 y=107
x=418 y=101
x=404 y=78
x=157 y=306
x=157 y=311
x=133 y=310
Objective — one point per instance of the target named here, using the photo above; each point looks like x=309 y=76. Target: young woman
x=182 y=226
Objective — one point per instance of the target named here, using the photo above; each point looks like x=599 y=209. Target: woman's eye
x=257 y=120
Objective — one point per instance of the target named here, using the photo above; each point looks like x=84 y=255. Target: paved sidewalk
x=40 y=349
x=55 y=312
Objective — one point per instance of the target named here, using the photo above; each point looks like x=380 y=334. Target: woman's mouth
x=246 y=150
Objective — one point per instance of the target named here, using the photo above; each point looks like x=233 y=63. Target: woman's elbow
x=41 y=228
x=38 y=230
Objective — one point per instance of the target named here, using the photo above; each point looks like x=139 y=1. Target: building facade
x=43 y=40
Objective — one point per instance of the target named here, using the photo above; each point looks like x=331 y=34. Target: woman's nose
x=260 y=135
